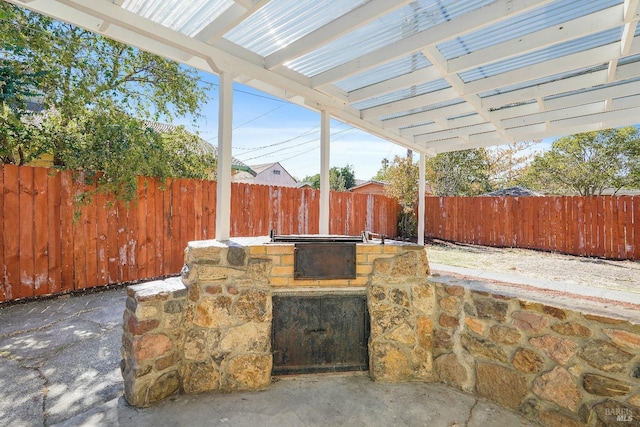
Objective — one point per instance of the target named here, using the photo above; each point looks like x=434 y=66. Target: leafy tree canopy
x=94 y=86
x=340 y=179
x=506 y=164
x=402 y=184
x=381 y=175
x=113 y=149
x=459 y=173
x=588 y=163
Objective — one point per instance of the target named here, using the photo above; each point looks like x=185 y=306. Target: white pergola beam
x=410 y=103
x=439 y=61
x=228 y=19
x=450 y=133
x=325 y=133
x=356 y=18
x=394 y=84
x=593 y=108
x=223 y=185
x=587 y=58
x=570 y=30
x=475 y=141
x=419 y=130
x=618 y=116
x=430 y=115
x=545 y=89
x=421 y=194
x=467 y=23
x=592 y=95
x=542 y=109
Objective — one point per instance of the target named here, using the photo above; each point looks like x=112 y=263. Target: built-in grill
x=323 y=257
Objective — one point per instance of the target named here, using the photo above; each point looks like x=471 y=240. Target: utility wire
x=286 y=148
x=275 y=144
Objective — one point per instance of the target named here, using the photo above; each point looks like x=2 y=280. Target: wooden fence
x=603 y=226
x=49 y=244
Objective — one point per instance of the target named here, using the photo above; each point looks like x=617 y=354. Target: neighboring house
x=267 y=174
x=378 y=187
x=304 y=185
x=369 y=187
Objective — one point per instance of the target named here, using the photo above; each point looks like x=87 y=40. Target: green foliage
x=381 y=175
x=407 y=224
x=588 y=163
x=459 y=173
x=94 y=87
x=402 y=184
x=20 y=143
x=340 y=179
x=113 y=149
x=506 y=164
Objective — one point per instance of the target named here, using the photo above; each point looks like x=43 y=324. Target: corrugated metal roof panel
x=403 y=94
x=387 y=71
x=547 y=54
x=543 y=80
x=182 y=16
x=422 y=109
x=281 y=22
x=397 y=25
x=536 y=20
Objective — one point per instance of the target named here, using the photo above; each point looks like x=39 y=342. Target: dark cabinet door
x=327 y=333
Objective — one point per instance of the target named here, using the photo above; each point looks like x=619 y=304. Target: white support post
x=223 y=186
x=325 y=140
x=421 y=191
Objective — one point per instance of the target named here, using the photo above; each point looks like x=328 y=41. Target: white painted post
x=325 y=130
x=421 y=191
x=223 y=187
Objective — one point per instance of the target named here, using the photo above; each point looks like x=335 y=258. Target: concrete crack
x=466 y=423
x=37 y=369
x=45 y=392
x=44 y=327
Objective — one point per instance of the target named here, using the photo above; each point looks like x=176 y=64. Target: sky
x=268 y=130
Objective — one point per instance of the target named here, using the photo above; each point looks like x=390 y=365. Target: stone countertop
x=262 y=240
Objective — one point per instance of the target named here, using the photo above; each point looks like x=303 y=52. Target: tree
x=381 y=175
x=340 y=179
x=402 y=184
x=19 y=144
x=459 y=173
x=588 y=163
x=113 y=149
x=88 y=79
x=506 y=164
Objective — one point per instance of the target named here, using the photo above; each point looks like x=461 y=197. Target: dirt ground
x=620 y=275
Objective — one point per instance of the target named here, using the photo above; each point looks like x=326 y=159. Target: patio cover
x=430 y=75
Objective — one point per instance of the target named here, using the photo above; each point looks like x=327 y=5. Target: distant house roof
x=204 y=145
x=255 y=170
x=262 y=167
x=516 y=191
x=260 y=174
x=304 y=185
x=362 y=183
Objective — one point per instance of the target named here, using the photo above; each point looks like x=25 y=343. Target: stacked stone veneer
x=401 y=303
x=211 y=329
x=556 y=365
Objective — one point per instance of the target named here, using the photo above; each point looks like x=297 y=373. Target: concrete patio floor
x=59 y=365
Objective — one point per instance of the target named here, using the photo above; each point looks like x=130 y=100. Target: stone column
x=401 y=302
